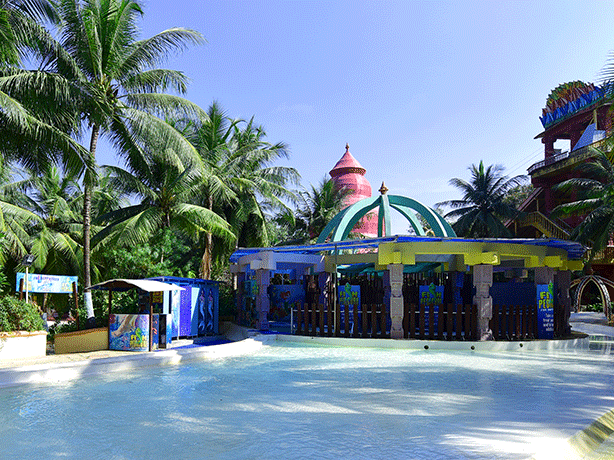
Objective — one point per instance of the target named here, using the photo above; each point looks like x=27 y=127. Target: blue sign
x=349 y=296
x=431 y=297
x=545 y=311
x=53 y=284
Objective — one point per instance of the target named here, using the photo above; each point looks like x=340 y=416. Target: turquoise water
x=315 y=402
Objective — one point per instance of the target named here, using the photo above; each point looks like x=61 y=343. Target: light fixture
x=28 y=260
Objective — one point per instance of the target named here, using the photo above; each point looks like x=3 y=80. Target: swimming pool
x=291 y=401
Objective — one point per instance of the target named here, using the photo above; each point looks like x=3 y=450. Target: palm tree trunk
x=87 y=226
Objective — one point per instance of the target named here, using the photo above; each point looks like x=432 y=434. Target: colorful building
x=578 y=113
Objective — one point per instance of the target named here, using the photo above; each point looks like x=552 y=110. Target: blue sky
x=419 y=89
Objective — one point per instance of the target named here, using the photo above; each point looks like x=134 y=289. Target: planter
x=82 y=341
x=20 y=345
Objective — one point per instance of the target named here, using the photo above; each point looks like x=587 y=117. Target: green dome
x=341 y=225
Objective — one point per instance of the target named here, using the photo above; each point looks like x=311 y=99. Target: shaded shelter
x=149 y=286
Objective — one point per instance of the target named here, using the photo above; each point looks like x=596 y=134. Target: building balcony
x=563 y=160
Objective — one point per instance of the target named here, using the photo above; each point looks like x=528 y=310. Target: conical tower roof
x=347 y=164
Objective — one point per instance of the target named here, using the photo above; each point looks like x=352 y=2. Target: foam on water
x=295 y=401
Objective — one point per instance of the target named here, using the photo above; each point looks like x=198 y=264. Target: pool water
x=309 y=402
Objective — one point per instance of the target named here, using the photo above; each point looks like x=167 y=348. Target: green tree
x=480 y=212
x=116 y=88
x=33 y=119
x=594 y=193
x=16 y=220
x=239 y=179
x=166 y=186
x=54 y=197
x=316 y=208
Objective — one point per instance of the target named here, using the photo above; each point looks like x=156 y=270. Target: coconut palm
x=16 y=220
x=33 y=119
x=19 y=27
x=317 y=206
x=110 y=81
x=239 y=179
x=594 y=193
x=55 y=197
x=480 y=213
x=166 y=188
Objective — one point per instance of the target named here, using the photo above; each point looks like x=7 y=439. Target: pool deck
x=594 y=442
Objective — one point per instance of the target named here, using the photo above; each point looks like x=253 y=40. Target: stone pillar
x=562 y=280
x=544 y=275
x=263 y=279
x=393 y=297
x=482 y=280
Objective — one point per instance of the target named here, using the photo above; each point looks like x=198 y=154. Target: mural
x=283 y=298
x=129 y=332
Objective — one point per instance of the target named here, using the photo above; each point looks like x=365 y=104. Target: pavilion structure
x=411 y=286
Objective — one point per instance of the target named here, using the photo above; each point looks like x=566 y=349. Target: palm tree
x=166 y=187
x=317 y=208
x=16 y=220
x=111 y=82
x=239 y=179
x=480 y=212
x=594 y=193
x=19 y=28
x=54 y=197
x=33 y=130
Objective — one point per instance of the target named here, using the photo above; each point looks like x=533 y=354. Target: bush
x=17 y=315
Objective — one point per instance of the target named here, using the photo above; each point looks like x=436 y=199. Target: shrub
x=17 y=315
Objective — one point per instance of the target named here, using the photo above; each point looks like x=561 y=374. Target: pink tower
x=350 y=174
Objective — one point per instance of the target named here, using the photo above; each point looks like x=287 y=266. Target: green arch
x=341 y=225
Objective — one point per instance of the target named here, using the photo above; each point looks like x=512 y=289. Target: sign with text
x=545 y=311
x=53 y=284
x=431 y=296
x=349 y=296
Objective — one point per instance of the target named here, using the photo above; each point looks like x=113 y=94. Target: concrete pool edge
x=530 y=345
x=65 y=372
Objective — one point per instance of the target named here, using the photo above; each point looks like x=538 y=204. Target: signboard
x=545 y=311
x=431 y=297
x=349 y=296
x=283 y=298
x=129 y=332
x=54 y=284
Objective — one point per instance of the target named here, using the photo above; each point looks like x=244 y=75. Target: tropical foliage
x=315 y=209
x=594 y=199
x=192 y=186
x=240 y=181
x=483 y=207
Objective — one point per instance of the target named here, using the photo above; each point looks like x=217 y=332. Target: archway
x=601 y=284
x=342 y=224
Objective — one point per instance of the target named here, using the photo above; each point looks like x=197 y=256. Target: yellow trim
x=475 y=253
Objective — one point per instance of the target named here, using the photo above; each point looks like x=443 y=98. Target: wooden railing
x=448 y=322
x=368 y=321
